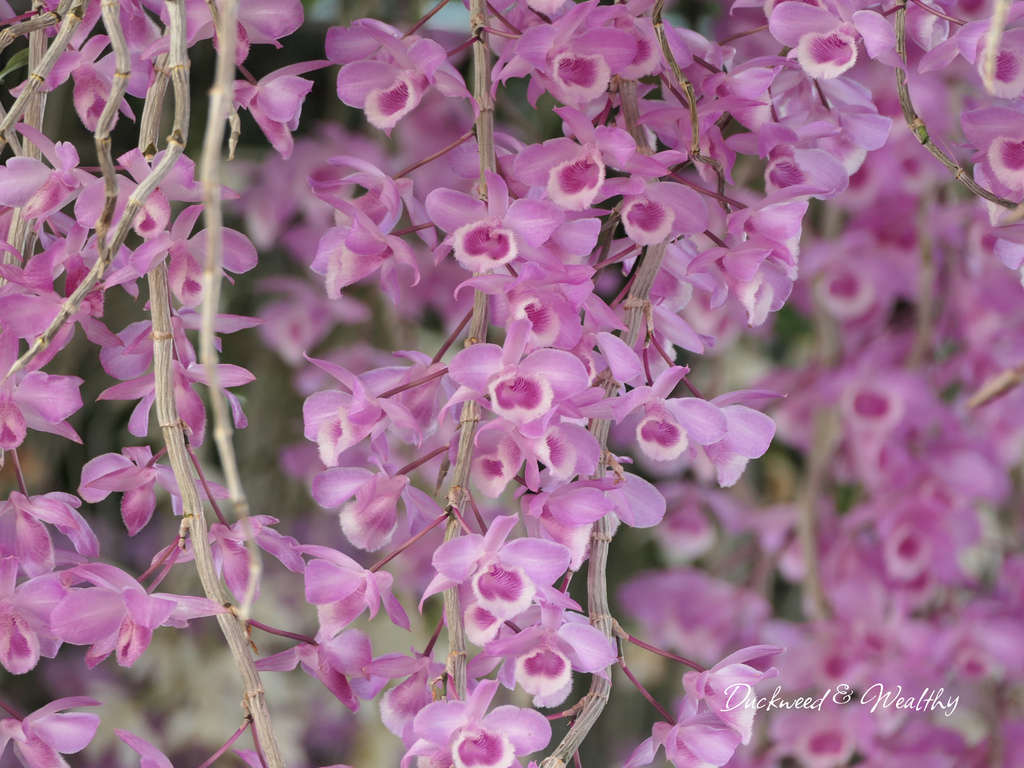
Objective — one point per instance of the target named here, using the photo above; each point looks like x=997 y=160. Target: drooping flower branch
x=655 y=222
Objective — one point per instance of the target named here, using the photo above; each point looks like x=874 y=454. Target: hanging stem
x=936 y=12
x=70 y=21
x=193 y=521
x=593 y=703
x=917 y=126
x=177 y=63
x=213 y=214
x=21 y=234
x=827 y=436
x=470 y=416
x=111 y=10
x=691 y=99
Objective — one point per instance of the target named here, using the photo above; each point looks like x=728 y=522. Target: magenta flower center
x=334 y=430
x=579 y=176
x=908 y=548
x=492 y=467
x=577 y=70
x=1008 y=66
x=786 y=173
x=643 y=49
x=540 y=316
x=831 y=49
x=489 y=242
x=662 y=432
x=518 y=392
x=500 y=584
x=393 y=99
x=1011 y=153
x=482 y=748
x=845 y=286
x=870 y=405
x=558 y=450
x=828 y=743
x=648 y=216
x=546 y=663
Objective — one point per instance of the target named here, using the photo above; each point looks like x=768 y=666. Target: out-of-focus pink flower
x=385 y=73
x=117 y=614
x=43 y=736
x=463 y=733
x=275 y=102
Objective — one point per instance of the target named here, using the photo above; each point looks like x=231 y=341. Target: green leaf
x=18 y=60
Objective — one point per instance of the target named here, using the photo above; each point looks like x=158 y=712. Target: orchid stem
x=476 y=513
x=381 y=563
x=441 y=152
x=156 y=457
x=460 y=48
x=698 y=188
x=259 y=748
x=645 y=693
x=206 y=486
x=738 y=35
x=620 y=256
x=283 y=633
x=917 y=125
x=426 y=17
x=455 y=663
x=660 y=652
x=17 y=471
x=227 y=744
x=410 y=230
x=715 y=238
x=166 y=569
x=165 y=553
x=411 y=384
x=423 y=460
x=502 y=19
x=429 y=648
x=625 y=289
x=451 y=339
x=499 y=33
x=462 y=521
x=940 y=14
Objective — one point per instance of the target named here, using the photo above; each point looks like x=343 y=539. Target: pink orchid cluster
x=601 y=262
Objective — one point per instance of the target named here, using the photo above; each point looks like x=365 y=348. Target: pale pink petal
x=826 y=55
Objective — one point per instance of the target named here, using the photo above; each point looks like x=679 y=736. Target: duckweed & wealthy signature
x=742 y=695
